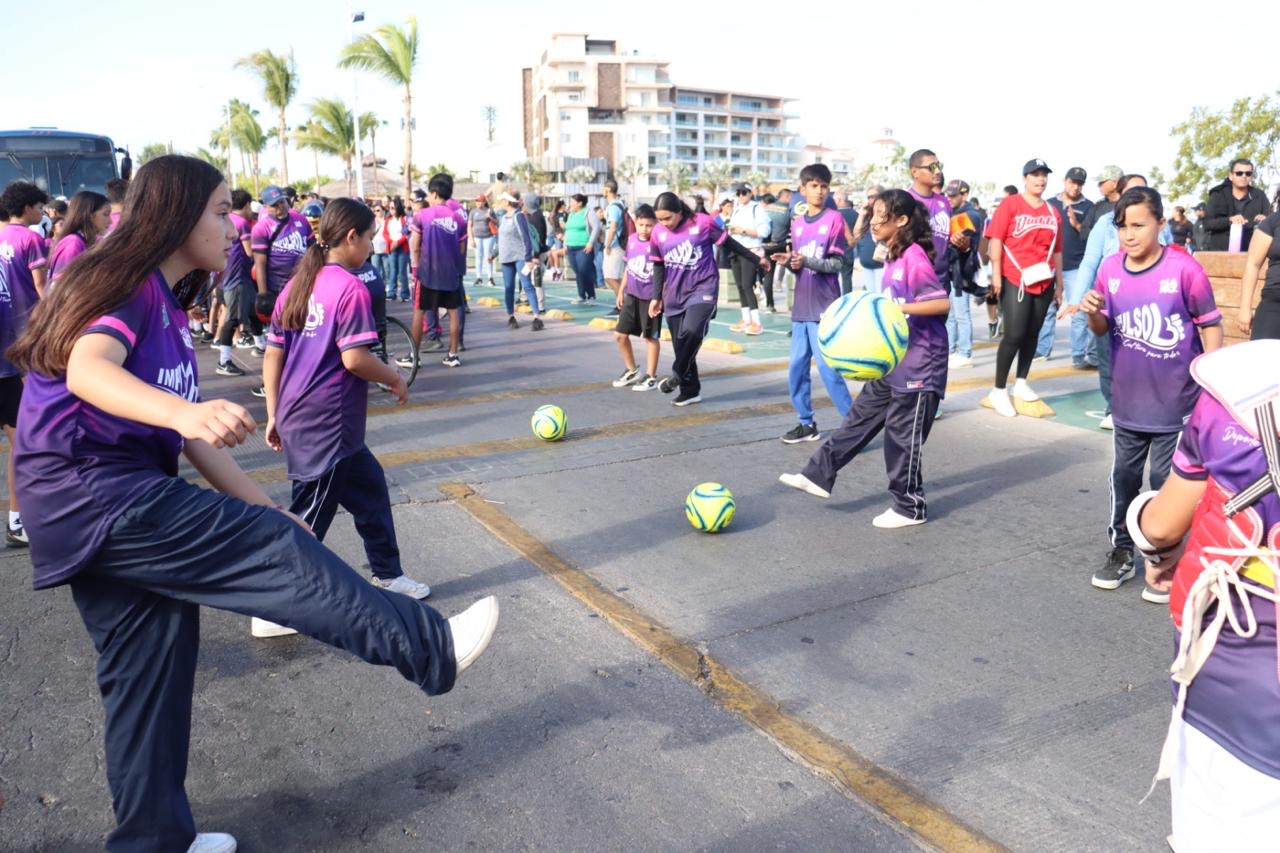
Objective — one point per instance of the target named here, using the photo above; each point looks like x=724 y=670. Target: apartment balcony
x=605 y=116
x=684 y=136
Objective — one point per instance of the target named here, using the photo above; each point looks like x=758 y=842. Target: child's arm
x=927 y=308
x=1092 y=306
x=272 y=370
x=39 y=276
x=1211 y=337
x=1164 y=520
x=226 y=476
x=365 y=365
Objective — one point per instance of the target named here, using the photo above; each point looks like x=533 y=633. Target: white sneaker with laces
x=263 y=628
x=1023 y=391
x=472 y=629
x=891 y=519
x=1000 y=401
x=646 y=384
x=404 y=585
x=628 y=377
x=958 y=361
x=804 y=484
x=213 y=842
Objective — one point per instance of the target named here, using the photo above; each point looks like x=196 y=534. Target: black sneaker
x=259 y=391
x=206 y=337
x=536 y=325
x=229 y=368
x=612 y=314
x=513 y=323
x=16 y=538
x=668 y=385
x=684 y=398
x=451 y=360
x=1118 y=569
x=244 y=342
x=802 y=432
x=257 y=352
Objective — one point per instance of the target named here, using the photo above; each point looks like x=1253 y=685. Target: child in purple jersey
x=683 y=245
x=1222 y=749
x=236 y=282
x=23 y=272
x=903 y=403
x=1151 y=301
x=641 y=289
x=818 y=247
x=111 y=403
x=437 y=253
x=317 y=372
x=88 y=218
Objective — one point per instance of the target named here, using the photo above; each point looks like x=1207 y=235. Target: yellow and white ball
x=863 y=335
x=710 y=507
x=549 y=423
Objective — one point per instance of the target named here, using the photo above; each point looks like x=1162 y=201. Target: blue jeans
x=584 y=269
x=398 y=274
x=510 y=271
x=140 y=598
x=484 y=263
x=597 y=255
x=960 y=325
x=804 y=348
x=1084 y=345
x=382 y=265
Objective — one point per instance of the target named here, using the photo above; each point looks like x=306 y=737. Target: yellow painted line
x=833 y=759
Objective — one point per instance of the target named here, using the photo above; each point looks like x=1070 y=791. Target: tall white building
x=589 y=101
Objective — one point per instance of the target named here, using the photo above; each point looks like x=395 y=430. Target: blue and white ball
x=549 y=423
x=863 y=335
x=710 y=507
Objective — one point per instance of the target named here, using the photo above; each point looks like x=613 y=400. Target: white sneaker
x=628 y=377
x=472 y=629
x=213 y=842
x=646 y=384
x=804 y=484
x=1023 y=391
x=891 y=519
x=1000 y=401
x=1039 y=359
x=263 y=628
x=404 y=585
x=958 y=361
x=1106 y=423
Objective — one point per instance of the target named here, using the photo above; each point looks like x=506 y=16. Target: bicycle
x=396 y=343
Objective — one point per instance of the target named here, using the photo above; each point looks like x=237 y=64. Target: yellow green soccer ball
x=710 y=507
x=549 y=423
x=863 y=335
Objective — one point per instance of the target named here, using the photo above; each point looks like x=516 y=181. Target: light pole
x=356 y=18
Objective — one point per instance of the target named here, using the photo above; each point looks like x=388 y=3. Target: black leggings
x=1022 y=321
x=744 y=275
x=1266 y=317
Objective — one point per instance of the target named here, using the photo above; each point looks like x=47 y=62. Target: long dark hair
x=917 y=230
x=672 y=203
x=165 y=201
x=80 y=211
x=341 y=216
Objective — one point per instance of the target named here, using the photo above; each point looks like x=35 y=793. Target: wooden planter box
x=1225 y=270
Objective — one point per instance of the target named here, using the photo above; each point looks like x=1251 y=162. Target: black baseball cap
x=1075 y=173
x=1035 y=166
x=955 y=188
x=740 y=188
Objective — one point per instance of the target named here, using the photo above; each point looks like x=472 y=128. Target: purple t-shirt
x=907 y=280
x=1235 y=698
x=70 y=247
x=940 y=224
x=79 y=467
x=21 y=253
x=286 y=250
x=819 y=238
x=1153 y=316
x=440 y=264
x=639 y=269
x=238 y=263
x=322 y=407
x=689 y=260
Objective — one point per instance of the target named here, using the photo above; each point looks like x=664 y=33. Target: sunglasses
x=1243 y=174
x=932 y=167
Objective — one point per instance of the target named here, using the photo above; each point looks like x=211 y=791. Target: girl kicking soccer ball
x=904 y=402
x=111 y=402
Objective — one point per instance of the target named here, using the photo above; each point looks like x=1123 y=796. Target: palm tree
x=490 y=115
x=279 y=77
x=583 y=174
x=715 y=175
x=330 y=132
x=529 y=172
x=216 y=160
x=246 y=134
x=302 y=135
x=390 y=52
x=758 y=178
x=629 y=170
x=439 y=169
x=676 y=176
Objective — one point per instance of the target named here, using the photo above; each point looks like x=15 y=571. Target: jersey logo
x=1113 y=285
x=684 y=254
x=315 y=315
x=1168 y=285
x=640 y=267
x=179 y=381
x=186 y=338
x=1147 y=325
x=448 y=224
x=294 y=244
x=1024 y=222
x=1233 y=435
x=897 y=274
x=694 y=230
x=6 y=251
x=662 y=238
x=823 y=229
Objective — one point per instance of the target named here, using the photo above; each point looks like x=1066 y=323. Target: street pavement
x=969 y=659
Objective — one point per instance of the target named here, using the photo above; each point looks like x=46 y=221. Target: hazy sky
x=988 y=85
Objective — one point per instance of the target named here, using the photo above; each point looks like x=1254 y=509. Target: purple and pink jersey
x=440 y=264
x=80 y=467
x=322 y=407
x=21 y=254
x=1235 y=698
x=688 y=256
x=819 y=238
x=909 y=279
x=284 y=252
x=238 y=263
x=1154 y=316
x=70 y=247
x=639 y=269
x=939 y=211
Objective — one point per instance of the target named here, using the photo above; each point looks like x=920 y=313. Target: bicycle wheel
x=398 y=345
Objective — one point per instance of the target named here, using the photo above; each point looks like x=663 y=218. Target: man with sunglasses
x=926 y=179
x=1235 y=201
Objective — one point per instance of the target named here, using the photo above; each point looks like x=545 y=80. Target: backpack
x=626 y=226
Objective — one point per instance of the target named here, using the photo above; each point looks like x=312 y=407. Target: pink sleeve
x=35 y=253
x=1188 y=458
x=415 y=223
x=922 y=279
x=715 y=234
x=354 y=325
x=260 y=234
x=1198 y=293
